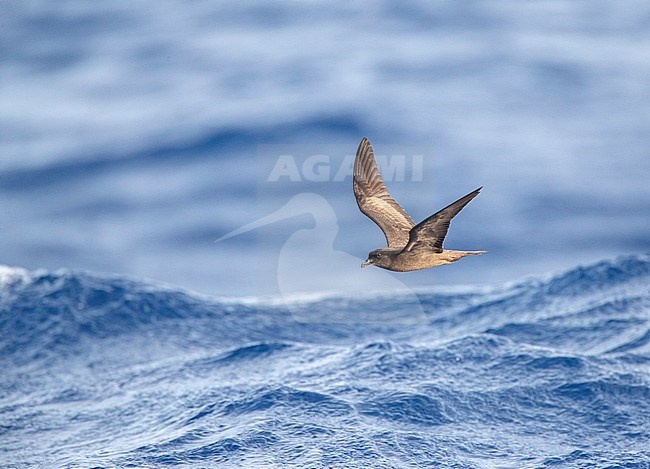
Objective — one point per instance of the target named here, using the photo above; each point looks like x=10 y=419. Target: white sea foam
x=10 y=275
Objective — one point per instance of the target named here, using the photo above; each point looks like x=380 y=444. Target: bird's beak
x=366 y=263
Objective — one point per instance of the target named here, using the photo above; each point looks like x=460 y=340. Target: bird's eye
x=378 y=255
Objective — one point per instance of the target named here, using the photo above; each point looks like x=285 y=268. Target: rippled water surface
x=135 y=134
x=102 y=371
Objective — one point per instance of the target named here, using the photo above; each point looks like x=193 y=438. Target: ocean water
x=132 y=134
x=104 y=371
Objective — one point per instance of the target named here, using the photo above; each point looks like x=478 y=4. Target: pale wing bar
x=375 y=202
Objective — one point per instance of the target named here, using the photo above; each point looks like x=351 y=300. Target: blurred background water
x=130 y=132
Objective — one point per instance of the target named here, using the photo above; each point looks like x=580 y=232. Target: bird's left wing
x=431 y=232
x=374 y=200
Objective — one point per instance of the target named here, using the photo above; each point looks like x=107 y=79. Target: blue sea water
x=104 y=371
x=130 y=132
x=135 y=134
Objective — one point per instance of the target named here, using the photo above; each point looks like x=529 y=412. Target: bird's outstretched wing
x=375 y=202
x=431 y=232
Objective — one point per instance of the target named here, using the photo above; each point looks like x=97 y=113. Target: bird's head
x=376 y=257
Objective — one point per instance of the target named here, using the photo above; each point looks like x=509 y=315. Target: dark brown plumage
x=410 y=246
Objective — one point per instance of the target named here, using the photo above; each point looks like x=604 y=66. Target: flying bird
x=410 y=246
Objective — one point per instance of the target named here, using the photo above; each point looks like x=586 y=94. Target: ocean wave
x=146 y=375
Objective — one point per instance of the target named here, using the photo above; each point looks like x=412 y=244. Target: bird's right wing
x=431 y=232
x=374 y=200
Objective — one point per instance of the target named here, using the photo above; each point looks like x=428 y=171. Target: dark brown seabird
x=410 y=246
